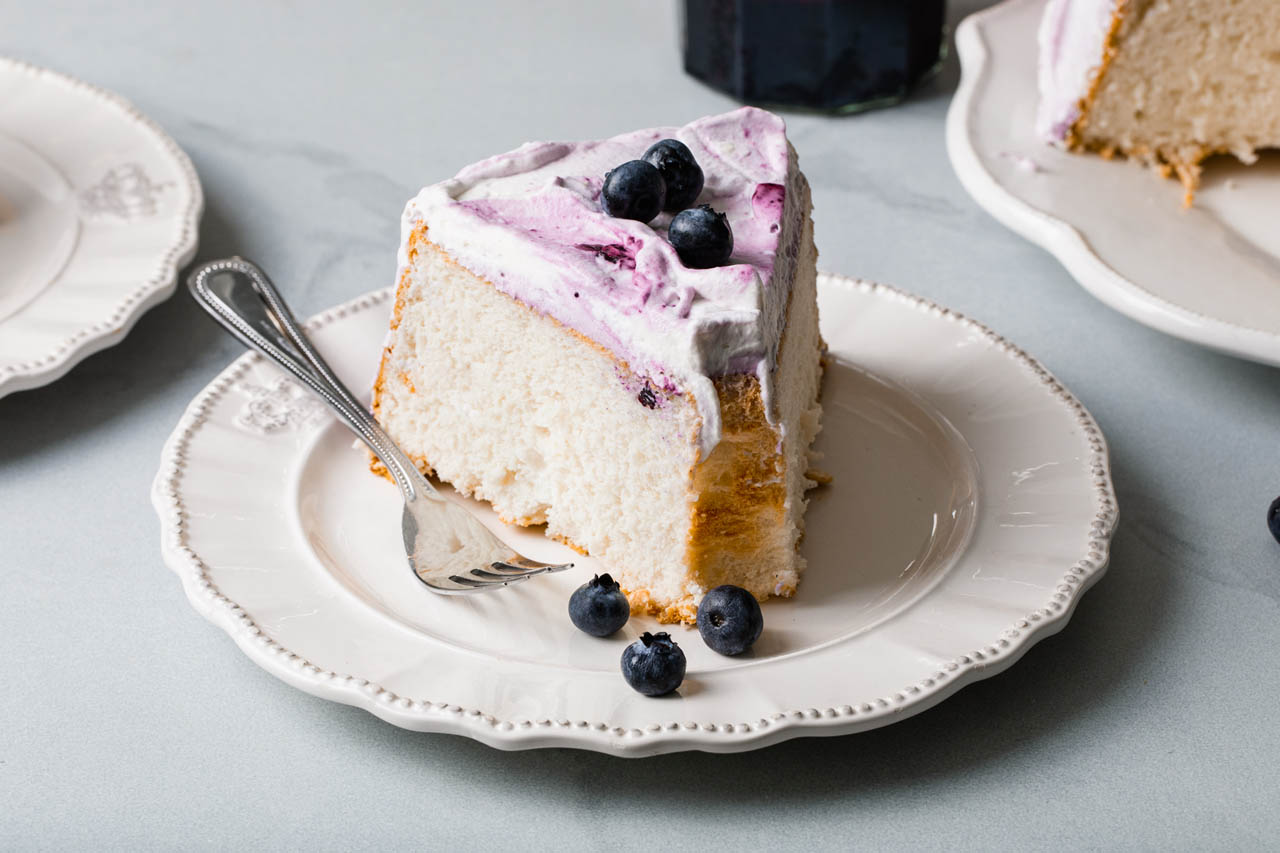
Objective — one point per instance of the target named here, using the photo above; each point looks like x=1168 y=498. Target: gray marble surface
x=127 y=721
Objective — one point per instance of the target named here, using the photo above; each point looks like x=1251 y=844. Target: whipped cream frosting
x=1071 y=37
x=530 y=222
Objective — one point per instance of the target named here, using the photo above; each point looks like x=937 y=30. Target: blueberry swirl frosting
x=530 y=222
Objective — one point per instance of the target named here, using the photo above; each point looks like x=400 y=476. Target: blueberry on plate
x=599 y=607
x=701 y=237
x=634 y=190
x=653 y=665
x=729 y=619
x=681 y=172
x=1273 y=519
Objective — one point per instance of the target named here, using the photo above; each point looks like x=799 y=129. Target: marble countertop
x=128 y=722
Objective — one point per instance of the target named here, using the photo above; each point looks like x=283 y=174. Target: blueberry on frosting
x=679 y=169
x=634 y=190
x=701 y=237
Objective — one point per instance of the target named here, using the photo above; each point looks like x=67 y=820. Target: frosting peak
x=530 y=223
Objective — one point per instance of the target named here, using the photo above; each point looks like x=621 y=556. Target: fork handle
x=238 y=294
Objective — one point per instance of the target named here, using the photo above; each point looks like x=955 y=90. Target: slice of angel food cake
x=1164 y=83
x=619 y=339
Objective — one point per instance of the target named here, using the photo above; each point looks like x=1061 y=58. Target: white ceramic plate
x=98 y=211
x=1210 y=274
x=971 y=507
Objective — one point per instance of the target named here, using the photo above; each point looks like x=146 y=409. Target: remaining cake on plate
x=567 y=367
x=1166 y=82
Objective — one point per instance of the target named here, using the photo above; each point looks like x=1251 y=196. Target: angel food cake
x=569 y=367
x=1165 y=82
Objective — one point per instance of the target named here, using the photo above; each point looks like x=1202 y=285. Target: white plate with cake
x=1070 y=112
x=98 y=211
x=639 y=395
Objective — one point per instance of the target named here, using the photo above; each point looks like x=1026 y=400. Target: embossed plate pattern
x=971 y=507
x=98 y=212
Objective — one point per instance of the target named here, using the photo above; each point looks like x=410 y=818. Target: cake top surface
x=1070 y=39
x=530 y=222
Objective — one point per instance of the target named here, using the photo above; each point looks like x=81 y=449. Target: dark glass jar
x=833 y=55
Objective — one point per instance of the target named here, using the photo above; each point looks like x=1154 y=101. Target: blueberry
x=701 y=237
x=681 y=172
x=1273 y=518
x=599 y=607
x=653 y=665
x=729 y=619
x=634 y=190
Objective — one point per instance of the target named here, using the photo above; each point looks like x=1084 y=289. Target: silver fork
x=448 y=548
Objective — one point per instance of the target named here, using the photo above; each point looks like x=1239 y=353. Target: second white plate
x=1209 y=274
x=99 y=210
x=971 y=507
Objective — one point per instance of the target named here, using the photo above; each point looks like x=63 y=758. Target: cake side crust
x=1074 y=139
x=748 y=512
